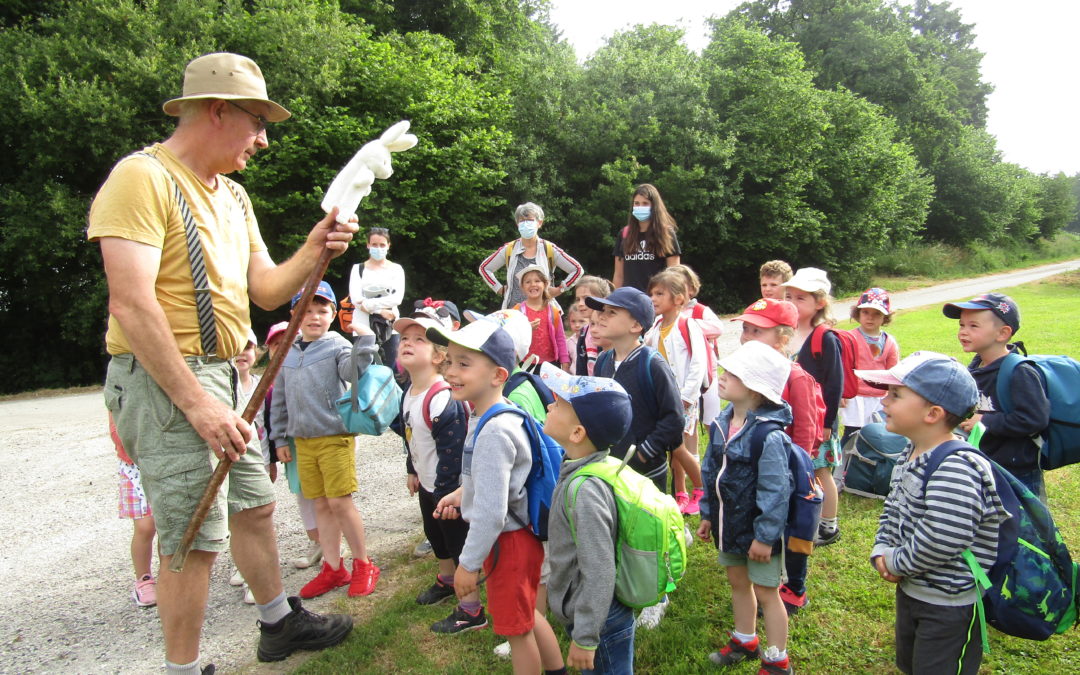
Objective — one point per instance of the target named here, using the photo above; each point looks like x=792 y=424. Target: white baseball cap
x=810 y=279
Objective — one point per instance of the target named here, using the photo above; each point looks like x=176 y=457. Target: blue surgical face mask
x=528 y=228
x=642 y=212
x=377 y=252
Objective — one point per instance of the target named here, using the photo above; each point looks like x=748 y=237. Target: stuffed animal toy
x=372 y=161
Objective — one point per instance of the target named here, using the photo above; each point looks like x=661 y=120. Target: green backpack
x=650 y=551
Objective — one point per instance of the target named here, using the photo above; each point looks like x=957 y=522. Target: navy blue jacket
x=828 y=370
x=449 y=429
x=657 y=422
x=744 y=502
x=1008 y=437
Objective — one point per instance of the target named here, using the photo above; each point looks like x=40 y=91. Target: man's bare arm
x=131 y=269
x=271 y=286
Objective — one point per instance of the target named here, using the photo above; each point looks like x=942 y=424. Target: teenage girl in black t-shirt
x=648 y=243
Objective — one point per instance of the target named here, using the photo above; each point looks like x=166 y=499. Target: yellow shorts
x=327 y=466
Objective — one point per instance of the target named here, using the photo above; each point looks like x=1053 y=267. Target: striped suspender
x=204 y=306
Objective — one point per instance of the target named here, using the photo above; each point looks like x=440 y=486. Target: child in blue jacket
x=746 y=504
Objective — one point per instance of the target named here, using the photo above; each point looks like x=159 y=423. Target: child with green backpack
x=936 y=512
x=589 y=415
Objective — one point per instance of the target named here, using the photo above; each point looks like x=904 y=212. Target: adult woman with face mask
x=376 y=288
x=648 y=243
x=530 y=249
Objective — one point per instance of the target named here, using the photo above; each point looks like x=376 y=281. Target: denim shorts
x=174 y=461
x=615 y=653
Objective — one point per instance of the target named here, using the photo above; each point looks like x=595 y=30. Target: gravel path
x=66 y=573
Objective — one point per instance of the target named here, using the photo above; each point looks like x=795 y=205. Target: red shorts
x=511 y=586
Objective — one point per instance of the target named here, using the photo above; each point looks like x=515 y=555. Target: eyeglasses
x=258 y=118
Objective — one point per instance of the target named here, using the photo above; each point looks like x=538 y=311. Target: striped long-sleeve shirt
x=922 y=534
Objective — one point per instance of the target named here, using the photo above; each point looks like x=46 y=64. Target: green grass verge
x=921 y=264
x=846 y=629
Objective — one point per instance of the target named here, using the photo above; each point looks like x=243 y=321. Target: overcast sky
x=1031 y=56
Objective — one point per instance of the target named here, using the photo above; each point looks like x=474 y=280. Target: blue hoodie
x=744 y=502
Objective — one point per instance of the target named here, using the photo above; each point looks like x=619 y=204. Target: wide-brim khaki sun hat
x=229 y=77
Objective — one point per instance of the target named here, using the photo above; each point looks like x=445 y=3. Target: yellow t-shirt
x=137 y=203
x=664 y=332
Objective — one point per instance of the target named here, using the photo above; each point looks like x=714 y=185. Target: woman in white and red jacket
x=529 y=249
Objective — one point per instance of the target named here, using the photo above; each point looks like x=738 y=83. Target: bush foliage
x=776 y=141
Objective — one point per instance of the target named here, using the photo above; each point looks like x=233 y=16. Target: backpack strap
x=684 y=329
x=757 y=437
x=550 y=248
x=982 y=584
x=509 y=254
x=697 y=311
x=645 y=378
x=817 y=336
x=433 y=390
x=530 y=431
x=204 y=308
x=941 y=453
x=1004 y=380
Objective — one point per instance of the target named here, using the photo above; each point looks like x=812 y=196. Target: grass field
x=847 y=628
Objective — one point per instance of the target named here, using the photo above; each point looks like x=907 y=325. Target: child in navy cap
x=987 y=324
x=589 y=415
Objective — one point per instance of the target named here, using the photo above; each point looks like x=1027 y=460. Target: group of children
x=637 y=373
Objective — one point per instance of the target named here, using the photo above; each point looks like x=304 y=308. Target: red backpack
x=710 y=353
x=847 y=355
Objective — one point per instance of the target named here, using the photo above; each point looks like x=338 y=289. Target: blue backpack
x=547 y=456
x=804 y=508
x=1060 y=377
x=1031 y=590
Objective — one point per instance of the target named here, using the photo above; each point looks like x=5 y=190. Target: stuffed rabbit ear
x=395 y=139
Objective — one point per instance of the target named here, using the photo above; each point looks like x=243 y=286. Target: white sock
x=192 y=667
x=743 y=637
x=774 y=654
x=275 y=610
x=829 y=523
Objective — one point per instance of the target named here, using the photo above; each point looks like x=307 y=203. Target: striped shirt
x=922 y=534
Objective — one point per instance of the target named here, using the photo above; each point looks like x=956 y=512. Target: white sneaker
x=503 y=650
x=689 y=535
x=311 y=556
x=249 y=597
x=650 y=616
x=236 y=579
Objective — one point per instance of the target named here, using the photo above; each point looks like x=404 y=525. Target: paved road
x=65 y=575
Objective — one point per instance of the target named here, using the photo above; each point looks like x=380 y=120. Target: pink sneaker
x=681 y=500
x=145 y=591
x=693 y=506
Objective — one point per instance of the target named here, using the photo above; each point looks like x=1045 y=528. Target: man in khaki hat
x=169 y=222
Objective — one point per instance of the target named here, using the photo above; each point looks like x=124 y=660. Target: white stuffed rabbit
x=372 y=161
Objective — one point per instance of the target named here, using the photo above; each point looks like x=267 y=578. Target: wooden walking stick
x=351 y=185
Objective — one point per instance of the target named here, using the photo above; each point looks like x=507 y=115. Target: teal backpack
x=1060 y=377
x=1031 y=590
x=650 y=551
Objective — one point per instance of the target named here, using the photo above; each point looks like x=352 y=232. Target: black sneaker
x=460 y=621
x=208 y=670
x=825 y=537
x=301 y=629
x=435 y=593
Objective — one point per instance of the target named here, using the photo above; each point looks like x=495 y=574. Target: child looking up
x=874 y=350
x=809 y=290
x=655 y=429
x=492 y=498
x=771 y=278
x=689 y=362
x=548 y=338
x=647 y=244
x=987 y=324
x=746 y=509
x=434 y=427
x=923 y=533
x=588 y=416
x=312 y=377
x=587 y=349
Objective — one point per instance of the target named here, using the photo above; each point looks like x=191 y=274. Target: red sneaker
x=793 y=602
x=327 y=580
x=364 y=575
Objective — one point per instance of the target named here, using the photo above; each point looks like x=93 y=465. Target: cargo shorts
x=175 y=462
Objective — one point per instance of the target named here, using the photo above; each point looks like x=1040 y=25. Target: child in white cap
x=746 y=504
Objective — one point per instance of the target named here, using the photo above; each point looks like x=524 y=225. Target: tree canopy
x=820 y=131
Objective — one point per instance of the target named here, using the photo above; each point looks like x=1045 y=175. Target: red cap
x=769 y=313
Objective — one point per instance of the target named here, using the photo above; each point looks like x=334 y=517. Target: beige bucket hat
x=229 y=77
